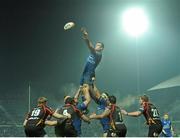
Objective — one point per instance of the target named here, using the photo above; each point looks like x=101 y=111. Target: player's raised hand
x=84 y=32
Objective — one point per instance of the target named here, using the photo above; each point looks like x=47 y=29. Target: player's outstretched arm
x=100 y=116
x=134 y=114
x=86 y=38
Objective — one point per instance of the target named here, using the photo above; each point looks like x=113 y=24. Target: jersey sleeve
x=108 y=107
x=49 y=111
x=78 y=110
x=141 y=109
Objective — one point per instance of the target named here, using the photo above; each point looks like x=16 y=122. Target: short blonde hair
x=145 y=98
x=42 y=100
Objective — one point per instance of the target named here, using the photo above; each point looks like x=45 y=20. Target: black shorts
x=155 y=129
x=34 y=132
x=120 y=131
x=68 y=131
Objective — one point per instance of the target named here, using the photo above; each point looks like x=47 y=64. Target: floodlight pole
x=135 y=29
x=137 y=65
x=138 y=76
x=29 y=97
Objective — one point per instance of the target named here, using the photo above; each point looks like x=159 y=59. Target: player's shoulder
x=141 y=109
x=108 y=107
x=47 y=107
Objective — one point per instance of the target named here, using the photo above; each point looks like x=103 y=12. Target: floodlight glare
x=135 y=21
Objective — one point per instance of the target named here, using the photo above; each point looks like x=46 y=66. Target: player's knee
x=88 y=99
x=85 y=89
x=83 y=106
x=85 y=86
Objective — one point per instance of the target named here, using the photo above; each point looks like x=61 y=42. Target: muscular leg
x=85 y=92
x=94 y=93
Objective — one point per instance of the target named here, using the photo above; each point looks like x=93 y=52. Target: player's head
x=104 y=98
x=112 y=99
x=68 y=100
x=105 y=95
x=99 y=46
x=42 y=100
x=143 y=99
x=75 y=101
x=166 y=116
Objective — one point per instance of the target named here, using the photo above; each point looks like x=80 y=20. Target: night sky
x=35 y=49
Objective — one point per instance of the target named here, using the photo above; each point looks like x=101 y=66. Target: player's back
x=151 y=114
x=65 y=127
x=36 y=117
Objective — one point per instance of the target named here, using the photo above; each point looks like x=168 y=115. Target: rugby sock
x=83 y=106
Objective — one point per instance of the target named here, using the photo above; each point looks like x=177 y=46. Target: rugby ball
x=69 y=25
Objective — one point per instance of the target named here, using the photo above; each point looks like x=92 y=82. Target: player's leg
x=31 y=131
x=27 y=133
x=105 y=129
x=42 y=133
x=158 y=128
x=152 y=131
x=94 y=93
x=121 y=130
x=86 y=83
x=85 y=92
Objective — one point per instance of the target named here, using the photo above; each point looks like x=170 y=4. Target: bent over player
x=35 y=120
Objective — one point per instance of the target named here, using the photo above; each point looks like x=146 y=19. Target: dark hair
x=112 y=99
x=101 y=44
x=68 y=100
x=145 y=98
x=105 y=95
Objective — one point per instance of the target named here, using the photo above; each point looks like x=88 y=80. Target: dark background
x=35 y=50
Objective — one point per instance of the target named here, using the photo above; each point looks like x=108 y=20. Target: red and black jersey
x=115 y=115
x=150 y=113
x=69 y=109
x=64 y=124
x=38 y=115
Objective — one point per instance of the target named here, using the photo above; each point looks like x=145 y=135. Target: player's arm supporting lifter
x=50 y=123
x=57 y=115
x=76 y=96
x=85 y=118
x=86 y=38
x=100 y=116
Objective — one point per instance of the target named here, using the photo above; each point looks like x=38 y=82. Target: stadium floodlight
x=134 y=21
